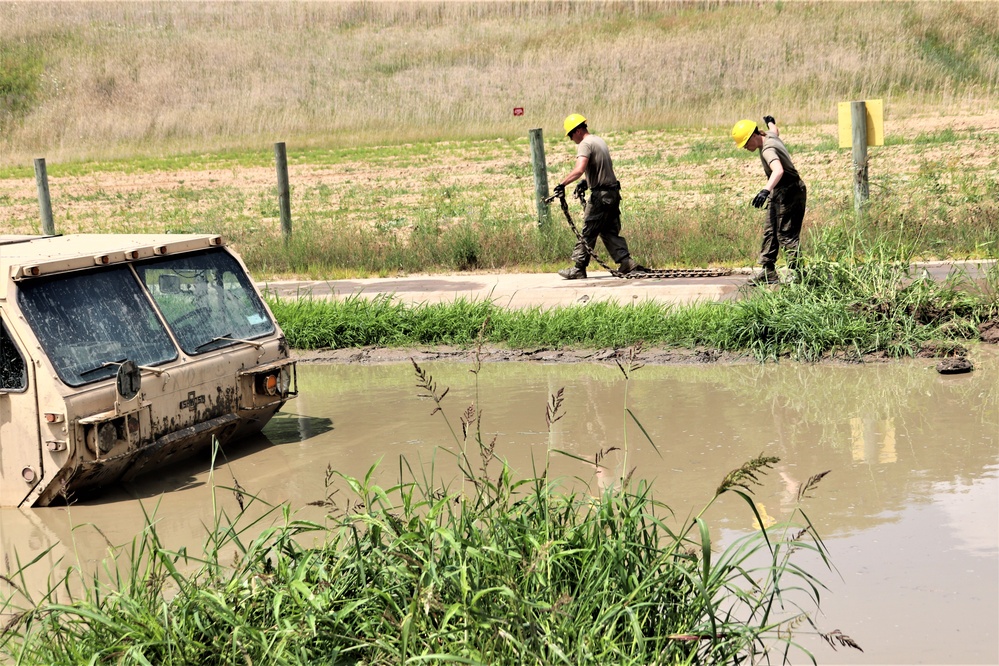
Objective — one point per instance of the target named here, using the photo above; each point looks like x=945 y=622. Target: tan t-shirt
x=774 y=149
x=599 y=169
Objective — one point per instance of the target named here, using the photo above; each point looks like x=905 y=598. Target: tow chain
x=643 y=272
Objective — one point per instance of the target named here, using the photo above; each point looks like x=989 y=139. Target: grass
x=163 y=119
x=853 y=303
x=114 y=79
x=20 y=82
x=480 y=569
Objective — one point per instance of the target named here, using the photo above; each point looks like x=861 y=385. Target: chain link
x=673 y=273
x=648 y=273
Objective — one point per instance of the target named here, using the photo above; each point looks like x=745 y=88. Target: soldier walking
x=603 y=211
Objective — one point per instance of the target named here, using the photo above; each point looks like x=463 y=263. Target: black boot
x=574 y=273
x=766 y=276
x=629 y=265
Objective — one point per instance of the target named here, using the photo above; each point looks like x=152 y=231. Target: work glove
x=559 y=191
x=761 y=198
x=769 y=119
x=580 y=190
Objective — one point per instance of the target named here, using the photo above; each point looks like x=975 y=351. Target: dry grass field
x=398 y=115
x=108 y=79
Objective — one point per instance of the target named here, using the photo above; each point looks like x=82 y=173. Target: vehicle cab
x=122 y=353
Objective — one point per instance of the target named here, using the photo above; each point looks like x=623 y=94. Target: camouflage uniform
x=782 y=228
x=602 y=218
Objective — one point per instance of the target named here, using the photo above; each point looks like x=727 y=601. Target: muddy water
x=908 y=511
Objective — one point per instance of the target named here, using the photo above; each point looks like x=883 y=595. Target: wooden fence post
x=861 y=187
x=284 y=190
x=44 y=201
x=540 y=175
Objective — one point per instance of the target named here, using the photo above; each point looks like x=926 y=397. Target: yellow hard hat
x=572 y=121
x=742 y=131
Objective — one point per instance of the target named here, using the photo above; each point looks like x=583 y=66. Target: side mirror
x=129 y=380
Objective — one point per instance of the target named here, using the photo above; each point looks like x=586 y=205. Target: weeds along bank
x=479 y=568
x=843 y=310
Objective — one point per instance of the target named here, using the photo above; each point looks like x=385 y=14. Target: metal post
x=861 y=188
x=284 y=191
x=540 y=175
x=44 y=202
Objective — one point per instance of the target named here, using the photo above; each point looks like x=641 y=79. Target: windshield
x=207 y=299
x=89 y=319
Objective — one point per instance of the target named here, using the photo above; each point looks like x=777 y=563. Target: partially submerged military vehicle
x=121 y=353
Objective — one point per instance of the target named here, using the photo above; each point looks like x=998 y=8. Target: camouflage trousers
x=602 y=220
x=782 y=228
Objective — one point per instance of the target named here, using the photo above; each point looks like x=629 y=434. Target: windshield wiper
x=102 y=366
x=228 y=337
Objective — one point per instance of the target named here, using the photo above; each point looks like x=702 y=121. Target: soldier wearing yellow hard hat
x=602 y=218
x=786 y=192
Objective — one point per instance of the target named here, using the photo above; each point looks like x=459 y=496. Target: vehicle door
x=20 y=443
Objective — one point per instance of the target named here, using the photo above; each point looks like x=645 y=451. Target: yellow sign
x=875 y=123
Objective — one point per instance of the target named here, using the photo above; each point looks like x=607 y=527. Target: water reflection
x=909 y=508
x=288 y=427
x=970 y=507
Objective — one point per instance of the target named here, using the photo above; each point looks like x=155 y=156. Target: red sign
x=518 y=110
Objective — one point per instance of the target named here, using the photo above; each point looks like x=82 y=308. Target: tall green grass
x=20 y=82
x=865 y=302
x=485 y=569
x=929 y=220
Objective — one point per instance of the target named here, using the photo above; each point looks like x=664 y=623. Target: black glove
x=761 y=198
x=580 y=189
x=559 y=191
x=769 y=119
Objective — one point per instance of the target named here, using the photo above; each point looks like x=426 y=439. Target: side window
x=13 y=374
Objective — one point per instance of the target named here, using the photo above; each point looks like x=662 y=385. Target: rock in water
x=954 y=366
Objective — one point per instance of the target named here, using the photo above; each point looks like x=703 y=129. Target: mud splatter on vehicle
x=122 y=353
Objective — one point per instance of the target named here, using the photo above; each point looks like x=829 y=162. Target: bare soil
x=110 y=197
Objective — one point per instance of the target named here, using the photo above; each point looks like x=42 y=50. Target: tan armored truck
x=122 y=353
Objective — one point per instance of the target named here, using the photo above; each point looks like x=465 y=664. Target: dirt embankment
x=492 y=354
x=647 y=356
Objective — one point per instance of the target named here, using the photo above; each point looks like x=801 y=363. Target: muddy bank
x=490 y=354
x=649 y=356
